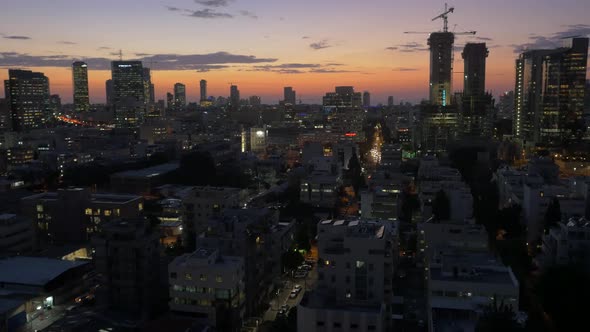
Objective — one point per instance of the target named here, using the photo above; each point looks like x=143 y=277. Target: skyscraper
x=343 y=97
x=549 y=93
x=169 y=100
x=203 y=90
x=289 y=95
x=390 y=101
x=474 y=59
x=234 y=97
x=441 y=67
x=476 y=106
x=179 y=95
x=80 y=84
x=366 y=99
x=28 y=95
x=128 y=93
x=148 y=86
x=110 y=93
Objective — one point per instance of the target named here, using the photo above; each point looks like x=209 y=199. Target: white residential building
x=568 y=243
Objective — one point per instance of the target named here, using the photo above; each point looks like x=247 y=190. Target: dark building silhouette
x=129 y=93
x=289 y=95
x=179 y=95
x=203 y=85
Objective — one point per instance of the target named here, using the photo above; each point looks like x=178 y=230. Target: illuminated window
x=107 y=212
x=118 y=212
x=88 y=212
x=203 y=277
x=39 y=208
x=188 y=276
x=140 y=206
x=218 y=279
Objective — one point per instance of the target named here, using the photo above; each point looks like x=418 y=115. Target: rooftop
x=34 y=271
x=149 y=172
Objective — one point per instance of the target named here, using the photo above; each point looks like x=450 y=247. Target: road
x=283 y=297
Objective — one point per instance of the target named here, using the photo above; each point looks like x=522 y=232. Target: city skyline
x=264 y=46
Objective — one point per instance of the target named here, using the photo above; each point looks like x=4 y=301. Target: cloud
x=299 y=68
x=141 y=54
x=248 y=14
x=320 y=45
x=553 y=41
x=404 y=69
x=65 y=42
x=208 y=13
x=159 y=61
x=207 y=68
x=174 y=9
x=16 y=37
x=330 y=71
x=391 y=48
x=213 y=3
x=412 y=47
x=102 y=48
x=305 y=37
x=484 y=38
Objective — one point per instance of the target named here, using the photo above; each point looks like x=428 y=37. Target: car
x=305 y=267
x=284 y=309
x=293 y=294
x=297 y=287
x=300 y=274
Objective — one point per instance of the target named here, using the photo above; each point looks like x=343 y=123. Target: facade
x=110 y=92
x=440 y=126
x=72 y=215
x=567 y=243
x=343 y=97
x=28 y=96
x=148 y=86
x=209 y=287
x=356 y=264
x=474 y=59
x=476 y=105
x=258 y=139
x=550 y=87
x=390 y=101
x=320 y=189
x=80 y=79
x=441 y=67
x=129 y=93
x=127 y=262
x=289 y=96
x=16 y=235
x=203 y=86
x=141 y=181
x=179 y=95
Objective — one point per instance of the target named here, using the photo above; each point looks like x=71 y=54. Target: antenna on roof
x=120 y=55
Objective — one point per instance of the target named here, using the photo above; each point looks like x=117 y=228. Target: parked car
x=293 y=294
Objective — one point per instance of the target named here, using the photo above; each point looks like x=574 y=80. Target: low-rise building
x=209 y=287
x=142 y=181
x=16 y=235
x=567 y=243
x=320 y=189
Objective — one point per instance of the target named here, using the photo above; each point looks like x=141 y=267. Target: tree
x=302 y=237
x=441 y=206
x=355 y=172
x=292 y=259
x=553 y=215
x=498 y=318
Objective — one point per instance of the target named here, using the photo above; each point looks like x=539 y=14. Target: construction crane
x=445 y=17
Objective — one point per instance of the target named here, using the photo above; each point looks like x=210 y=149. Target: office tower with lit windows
x=80 y=84
x=549 y=94
x=441 y=67
x=343 y=97
x=203 y=85
x=28 y=96
x=289 y=95
x=148 y=86
x=169 y=100
x=234 y=97
x=366 y=99
x=179 y=95
x=129 y=93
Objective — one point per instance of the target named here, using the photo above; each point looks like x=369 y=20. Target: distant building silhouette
x=129 y=93
x=203 y=85
x=80 y=85
x=366 y=99
x=441 y=58
x=289 y=95
x=179 y=95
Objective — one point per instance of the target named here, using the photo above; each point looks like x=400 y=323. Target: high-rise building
x=169 y=100
x=129 y=93
x=441 y=67
x=179 y=95
x=550 y=87
x=255 y=101
x=203 y=85
x=289 y=95
x=475 y=105
x=55 y=104
x=80 y=83
x=148 y=86
x=110 y=92
x=366 y=99
x=474 y=58
x=28 y=95
x=390 y=101
x=234 y=97
x=343 y=97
